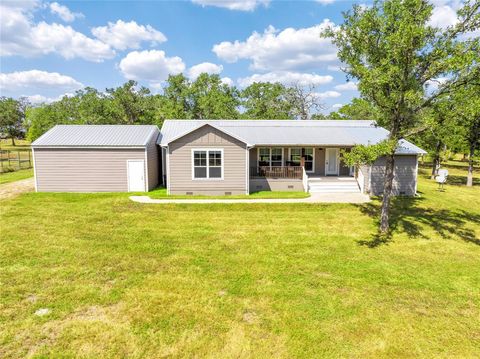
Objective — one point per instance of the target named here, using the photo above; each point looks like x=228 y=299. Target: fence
x=15 y=160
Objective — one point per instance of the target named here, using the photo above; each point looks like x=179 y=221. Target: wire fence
x=15 y=160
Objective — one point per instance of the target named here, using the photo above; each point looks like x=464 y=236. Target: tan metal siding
x=405 y=175
x=153 y=163
x=180 y=163
x=84 y=170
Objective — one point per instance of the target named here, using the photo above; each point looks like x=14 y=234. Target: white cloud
x=327 y=94
x=124 y=35
x=336 y=106
x=443 y=16
x=37 y=79
x=207 y=67
x=349 y=86
x=242 y=5
x=20 y=36
x=38 y=99
x=64 y=12
x=286 y=78
x=150 y=65
x=289 y=49
x=227 y=81
x=325 y=2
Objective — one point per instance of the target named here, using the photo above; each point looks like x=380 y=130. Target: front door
x=136 y=175
x=331 y=161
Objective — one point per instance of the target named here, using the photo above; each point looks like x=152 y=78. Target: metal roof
x=96 y=136
x=289 y=132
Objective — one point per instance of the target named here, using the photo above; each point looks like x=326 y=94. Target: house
x=96 y=158
x=218 y=157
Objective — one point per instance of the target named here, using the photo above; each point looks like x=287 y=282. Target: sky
x=49 y=49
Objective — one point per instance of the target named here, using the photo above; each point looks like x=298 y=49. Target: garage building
x=96 y=158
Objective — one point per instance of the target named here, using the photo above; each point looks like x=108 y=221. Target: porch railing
x=289 y=172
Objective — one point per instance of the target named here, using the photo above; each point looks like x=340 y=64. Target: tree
x=12 y=116
x=304 y=101
x=134 y=104
x=467 y=115
x=213 y=99
x=358 y=109
x=394 y=53
x=267 y=101
x=176 y=102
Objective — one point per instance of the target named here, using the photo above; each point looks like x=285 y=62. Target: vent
x=189 y=193
x=290 y=187
x=228 y=193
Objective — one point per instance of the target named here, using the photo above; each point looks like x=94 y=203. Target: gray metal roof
x=96 y=136
x=289 y=132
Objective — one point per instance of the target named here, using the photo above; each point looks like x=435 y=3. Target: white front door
x=331 y=161
x=136 y=175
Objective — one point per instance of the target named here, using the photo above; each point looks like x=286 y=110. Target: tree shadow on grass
x=409 y=217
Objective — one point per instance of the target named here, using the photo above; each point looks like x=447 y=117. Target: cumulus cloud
x=122 y=35
x=207 y=67
x=64 y=12
x=241 y=5
x=443 y=16
x=20 y=36
x=336 y=106
x=349 y=86
x=327 y=94
x=274 y=50
x=227 y=81
x=150 y=65
x=286 y=78
x=34 y=79
x=325 y=2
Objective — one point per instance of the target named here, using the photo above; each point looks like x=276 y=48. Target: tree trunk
x=436 y=160
x=470 y=167
x=387 y=193
x=13 y=141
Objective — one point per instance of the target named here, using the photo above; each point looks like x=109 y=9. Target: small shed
x=96 y=158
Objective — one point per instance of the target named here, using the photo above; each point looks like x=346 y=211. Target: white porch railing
x=304 y=179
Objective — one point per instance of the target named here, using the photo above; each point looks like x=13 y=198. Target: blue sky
x=49 y=49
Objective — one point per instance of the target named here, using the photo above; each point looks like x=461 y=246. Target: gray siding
x=83 y=170
x=405 y=175
x=153 y=161
x=180 y=163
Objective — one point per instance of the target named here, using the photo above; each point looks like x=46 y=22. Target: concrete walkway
x=13 y=189
x=314 y=198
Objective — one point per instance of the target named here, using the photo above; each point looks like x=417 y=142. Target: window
x=296 y=155
x=271 y=157
x=207 y=164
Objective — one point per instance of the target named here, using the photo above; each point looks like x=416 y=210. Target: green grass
x=15 y=176
x=6 y=144
x=161 y=193
x=122 y=279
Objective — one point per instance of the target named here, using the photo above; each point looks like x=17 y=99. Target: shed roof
x=96 y=136
x=289 y=132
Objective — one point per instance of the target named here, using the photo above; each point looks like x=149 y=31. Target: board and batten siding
x=180 y=164
x=83 y=169
x=405 y=175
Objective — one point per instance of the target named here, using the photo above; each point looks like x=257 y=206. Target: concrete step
x=323 y=190
x=339 y=184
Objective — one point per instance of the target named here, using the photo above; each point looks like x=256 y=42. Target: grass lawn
x=6 y=144
x=162 y=193
x=122 y=279
x=15 y=176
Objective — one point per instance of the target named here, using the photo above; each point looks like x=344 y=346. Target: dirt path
x=12 y=189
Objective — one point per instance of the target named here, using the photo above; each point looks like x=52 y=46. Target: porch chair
x=441 y=178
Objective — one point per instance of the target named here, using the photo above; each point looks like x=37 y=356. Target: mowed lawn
x=122 y=279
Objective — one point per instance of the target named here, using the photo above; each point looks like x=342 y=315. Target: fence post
x=19 y=162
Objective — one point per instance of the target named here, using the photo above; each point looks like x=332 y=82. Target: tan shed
x=97 y=158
